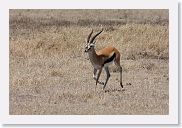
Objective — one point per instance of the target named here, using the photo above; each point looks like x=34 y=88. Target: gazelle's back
x=108 y=52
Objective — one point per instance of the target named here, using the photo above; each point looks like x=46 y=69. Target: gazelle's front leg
x=108 y=76
x=100 y=70
x=94 y=74
x=95 y=78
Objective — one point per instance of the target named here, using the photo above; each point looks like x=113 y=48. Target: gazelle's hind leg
x=120 y=70
x=95 y=78
x=117 y=63
x=108 y=76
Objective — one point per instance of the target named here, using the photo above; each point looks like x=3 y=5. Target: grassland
x=51 y=74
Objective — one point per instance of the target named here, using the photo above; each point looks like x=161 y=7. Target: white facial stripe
x=88 y=46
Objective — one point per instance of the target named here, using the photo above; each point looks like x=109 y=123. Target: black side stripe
x=110 y=59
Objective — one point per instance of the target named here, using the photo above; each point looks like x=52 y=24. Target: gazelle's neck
x=92 y=53
x=94 y=58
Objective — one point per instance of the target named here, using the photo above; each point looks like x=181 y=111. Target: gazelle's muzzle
x=86 y=50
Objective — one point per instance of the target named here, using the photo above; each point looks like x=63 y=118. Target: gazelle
x=102 y=58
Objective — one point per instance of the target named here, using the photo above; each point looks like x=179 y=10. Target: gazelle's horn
x=88 y=38
x=95 y=36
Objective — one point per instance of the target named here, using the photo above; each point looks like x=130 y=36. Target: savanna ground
x=51 y=74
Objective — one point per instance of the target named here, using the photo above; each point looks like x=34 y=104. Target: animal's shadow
x=114 y=90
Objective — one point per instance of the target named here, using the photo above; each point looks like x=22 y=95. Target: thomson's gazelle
x=102 y=58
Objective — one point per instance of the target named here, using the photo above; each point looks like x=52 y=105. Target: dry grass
x=49 y=72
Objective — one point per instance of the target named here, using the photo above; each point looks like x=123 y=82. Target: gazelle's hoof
x=121 y=85
x=128 y=83
x=104 y=87
x=102 y=83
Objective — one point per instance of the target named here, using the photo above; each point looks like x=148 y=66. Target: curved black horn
x=95 y=36
x=88 y=38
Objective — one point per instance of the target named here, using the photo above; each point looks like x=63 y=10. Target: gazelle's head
x=90 y=42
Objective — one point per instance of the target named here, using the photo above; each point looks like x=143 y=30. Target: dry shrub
x=142 y=41
x=133 y=41
x=49 y=32
x=89 y=17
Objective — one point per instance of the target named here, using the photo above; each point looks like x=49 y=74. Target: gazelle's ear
x=93 y=44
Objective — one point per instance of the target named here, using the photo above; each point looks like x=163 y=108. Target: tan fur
x=108 y=52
